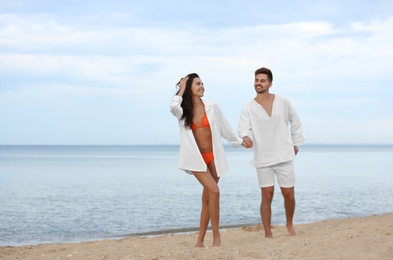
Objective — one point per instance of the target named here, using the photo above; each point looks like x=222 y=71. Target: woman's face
x=197 y=88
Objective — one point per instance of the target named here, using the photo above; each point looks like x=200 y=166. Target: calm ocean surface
x=77 y=193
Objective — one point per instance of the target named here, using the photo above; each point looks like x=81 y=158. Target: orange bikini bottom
x=208 y=157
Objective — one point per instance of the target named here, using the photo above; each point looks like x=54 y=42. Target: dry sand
x=353 y=238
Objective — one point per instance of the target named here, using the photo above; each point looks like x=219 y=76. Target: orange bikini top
x=205 y=123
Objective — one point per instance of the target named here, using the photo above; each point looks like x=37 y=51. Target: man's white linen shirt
x=273 y=140
x=190 y=158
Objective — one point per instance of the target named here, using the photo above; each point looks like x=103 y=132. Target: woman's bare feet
x=217 y=241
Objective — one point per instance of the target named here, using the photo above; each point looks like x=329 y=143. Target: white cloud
x=375 y=26
x=336 y=66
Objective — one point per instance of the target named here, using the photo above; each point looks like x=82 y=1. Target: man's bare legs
x=210 y=205
x=289 y=204
x=266 y=209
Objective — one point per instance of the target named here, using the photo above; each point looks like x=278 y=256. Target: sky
x=103 y=72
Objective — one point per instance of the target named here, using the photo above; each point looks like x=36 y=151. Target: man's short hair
x=266 y=71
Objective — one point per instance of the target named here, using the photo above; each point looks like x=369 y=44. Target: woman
x=202 y=125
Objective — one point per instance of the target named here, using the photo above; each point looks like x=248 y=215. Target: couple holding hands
x=268 y=124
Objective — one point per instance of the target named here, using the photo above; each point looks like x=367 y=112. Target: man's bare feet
x=268 y=232
x=291 y=230
x=199 y=244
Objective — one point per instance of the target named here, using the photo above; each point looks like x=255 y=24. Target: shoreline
x=179 y=231
x=348 y=238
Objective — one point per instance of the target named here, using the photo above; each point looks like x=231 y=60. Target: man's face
x=261 y=83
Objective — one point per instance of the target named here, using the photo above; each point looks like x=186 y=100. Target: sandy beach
x=353 y=238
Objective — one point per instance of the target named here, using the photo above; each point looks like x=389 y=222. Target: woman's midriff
x=203 y=138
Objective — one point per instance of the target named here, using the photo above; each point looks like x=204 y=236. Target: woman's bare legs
x=210 y=205
x=205 y=218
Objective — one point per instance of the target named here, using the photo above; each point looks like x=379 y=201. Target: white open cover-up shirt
x=190 y=158
x=273 y=138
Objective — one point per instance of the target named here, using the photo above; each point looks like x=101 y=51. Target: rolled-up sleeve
x=297 y=133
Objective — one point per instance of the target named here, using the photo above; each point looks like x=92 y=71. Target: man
x=266 y=119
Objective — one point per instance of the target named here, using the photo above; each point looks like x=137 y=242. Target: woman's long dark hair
x=188 y=102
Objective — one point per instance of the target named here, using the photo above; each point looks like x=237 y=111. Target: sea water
x=77 y=193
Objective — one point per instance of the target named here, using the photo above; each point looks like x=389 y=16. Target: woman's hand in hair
x=182 y=86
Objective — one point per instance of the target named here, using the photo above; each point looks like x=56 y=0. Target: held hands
x=247 y=142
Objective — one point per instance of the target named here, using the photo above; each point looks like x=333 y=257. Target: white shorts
x=285 y=173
